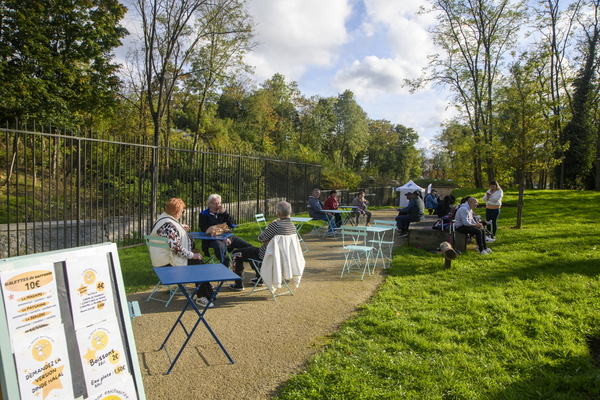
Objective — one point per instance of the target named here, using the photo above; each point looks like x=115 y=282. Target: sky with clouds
x=328 y=46
x=367 y=46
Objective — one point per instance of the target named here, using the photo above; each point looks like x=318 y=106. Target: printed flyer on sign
x=30 y=298
x=102 y=355
x=43 y=367
x=90 y=289
x=123 y=391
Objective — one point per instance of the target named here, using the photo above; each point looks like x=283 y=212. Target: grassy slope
x=511 y=325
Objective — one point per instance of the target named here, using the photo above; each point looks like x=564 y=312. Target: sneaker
x=403 y=234
x=254 y=280
x=483 y=253
x=489 y=239
x=203 y=301
x=232 y=286
x=367 y=224
x=488 y=250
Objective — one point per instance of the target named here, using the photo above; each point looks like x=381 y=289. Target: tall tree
x=56 y=58
x=351 y=130
x=475 y=35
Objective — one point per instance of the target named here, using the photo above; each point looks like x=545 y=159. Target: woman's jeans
x=492 y=215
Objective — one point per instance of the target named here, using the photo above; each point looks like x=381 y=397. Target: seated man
x=465 y=223
x=181 y=247
x=360 y=202
x=314 y=208
x=216 y=214
x=284 y=226
x=413 y=212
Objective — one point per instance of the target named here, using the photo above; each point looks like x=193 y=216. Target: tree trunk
x=598 y=159
x=521 y=183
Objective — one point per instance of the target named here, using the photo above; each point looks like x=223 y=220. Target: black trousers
x=244 y=255
x=218 y=247
x=478 y=233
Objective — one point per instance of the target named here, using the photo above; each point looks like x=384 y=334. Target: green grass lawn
x=516 y=324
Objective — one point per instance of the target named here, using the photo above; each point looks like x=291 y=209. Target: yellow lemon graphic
x=119 y=369
x=111 y=397
x=100 y=305
x=114 y=357
x=89 y=277
x=99 y=340
x=41 y=350
x=100 y=286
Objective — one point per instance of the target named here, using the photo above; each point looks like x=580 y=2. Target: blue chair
x=260 y=220
x=356 y=251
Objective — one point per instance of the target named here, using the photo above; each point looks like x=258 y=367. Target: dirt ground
x=268 y=340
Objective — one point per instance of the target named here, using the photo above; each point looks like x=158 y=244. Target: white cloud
x=297 y=34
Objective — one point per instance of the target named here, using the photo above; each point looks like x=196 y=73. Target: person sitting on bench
x=465 y=223
x=413 y=212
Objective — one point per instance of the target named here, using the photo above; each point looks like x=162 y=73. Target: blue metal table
x=204 y=236
x=193 y=274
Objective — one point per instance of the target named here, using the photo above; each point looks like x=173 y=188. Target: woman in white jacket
x=493 y=202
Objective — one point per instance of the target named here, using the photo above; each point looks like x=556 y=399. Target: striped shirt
x=282 y=227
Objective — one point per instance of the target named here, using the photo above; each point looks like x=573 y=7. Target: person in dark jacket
x=216 y=214
x=413 y=212
x=431 y=201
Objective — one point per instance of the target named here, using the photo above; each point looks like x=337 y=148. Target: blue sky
x=368 y=47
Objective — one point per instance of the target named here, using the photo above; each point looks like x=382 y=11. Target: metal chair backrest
x=379 y=222
x=157 y=241
x=260 y=219
x=354 y=235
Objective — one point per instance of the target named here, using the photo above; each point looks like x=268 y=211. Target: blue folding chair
x=356 y=251
x=260 y=220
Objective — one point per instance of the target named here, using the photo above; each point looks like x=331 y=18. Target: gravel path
x=268 y=340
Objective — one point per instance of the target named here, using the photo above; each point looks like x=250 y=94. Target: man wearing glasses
x=216 y=214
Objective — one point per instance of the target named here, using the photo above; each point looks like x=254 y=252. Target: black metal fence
x=67 y=189
x=377 y=196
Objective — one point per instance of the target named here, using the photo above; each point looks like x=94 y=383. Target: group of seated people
x=317 y=209
x=182 y=249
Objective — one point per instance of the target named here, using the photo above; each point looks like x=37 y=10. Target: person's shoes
x=367 y=224
x=489 y=239
x=254 y=280
x=483 y=253
x=488 y=250
x=403 y=234
x=232 y=286
x=203 y=301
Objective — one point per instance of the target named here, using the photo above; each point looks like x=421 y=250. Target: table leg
x=298 y=228
x=191 y=332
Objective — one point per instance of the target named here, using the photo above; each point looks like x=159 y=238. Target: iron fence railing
x=377 y=196
x=66 y=189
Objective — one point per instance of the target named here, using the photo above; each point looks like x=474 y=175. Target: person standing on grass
x=181 y=249
x=465 y=223
x=360 y=202
x=493 y=202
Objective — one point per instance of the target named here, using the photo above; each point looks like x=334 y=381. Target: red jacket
x=331 y=203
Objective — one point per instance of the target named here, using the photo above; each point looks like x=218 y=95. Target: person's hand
x=228 y=242
x=267 y=242
x=273 y=221
x=197 y=256
x=366 y=201
x=221 y=208
x=187 y=228
x=478 y=225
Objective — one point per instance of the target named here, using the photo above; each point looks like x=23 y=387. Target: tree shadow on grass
x=572 y=378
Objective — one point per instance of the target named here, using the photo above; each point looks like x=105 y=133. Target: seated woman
x=331 y=203
x=360 y=202
x=181 y=250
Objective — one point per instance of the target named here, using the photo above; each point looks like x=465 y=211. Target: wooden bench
x=422 y=234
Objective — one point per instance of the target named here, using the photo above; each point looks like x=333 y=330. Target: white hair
x=212 y=197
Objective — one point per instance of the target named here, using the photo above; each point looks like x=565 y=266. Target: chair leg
x=256 y=264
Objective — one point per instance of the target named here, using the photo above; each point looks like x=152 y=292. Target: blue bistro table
x=204 y=236
x=183 y=275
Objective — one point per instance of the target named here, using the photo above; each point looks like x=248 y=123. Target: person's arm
x=204 y=222
x=462 y=217
x=169 y=231
x=495 y=197
x=409 y=207
x=314 y=203
x=228 y=219
x=328 y=204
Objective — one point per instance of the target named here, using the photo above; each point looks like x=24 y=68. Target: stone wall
x=29 y=238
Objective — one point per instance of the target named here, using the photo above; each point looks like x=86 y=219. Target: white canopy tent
x=409 y=187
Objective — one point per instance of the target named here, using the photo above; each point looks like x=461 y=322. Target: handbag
x=218 y=229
